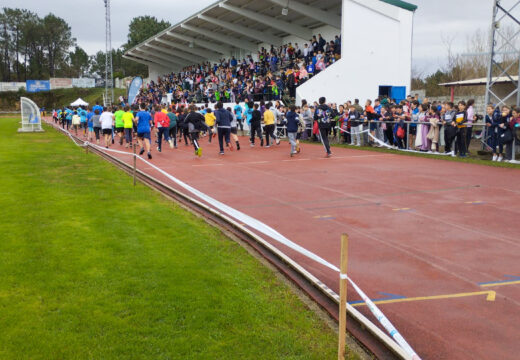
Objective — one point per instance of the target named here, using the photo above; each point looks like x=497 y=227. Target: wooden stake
x=343 y=298
x=135 y=164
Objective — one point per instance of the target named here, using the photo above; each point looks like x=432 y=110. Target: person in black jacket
x=322 y=116
x=293 y=121
x=256 y=127
x=223 y=122
x=183 y=128
x=504 y=136
x=195 y=123
x=460 y=120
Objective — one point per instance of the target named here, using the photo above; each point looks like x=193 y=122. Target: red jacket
x=161 y=120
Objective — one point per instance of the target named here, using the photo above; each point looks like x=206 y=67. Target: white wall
x=376 y=50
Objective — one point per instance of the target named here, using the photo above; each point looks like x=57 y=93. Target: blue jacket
x=224 y=118
x=292 y=122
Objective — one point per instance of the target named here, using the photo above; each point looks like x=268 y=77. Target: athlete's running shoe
x=199 y=152
x=150 y=155
x=141 y=152
x=171 y=143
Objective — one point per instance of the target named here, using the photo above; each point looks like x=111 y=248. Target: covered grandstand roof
x=238 y=27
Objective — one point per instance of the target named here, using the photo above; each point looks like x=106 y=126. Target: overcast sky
x=435 y=20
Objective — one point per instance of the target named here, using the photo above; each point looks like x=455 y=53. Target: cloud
x=433 y=20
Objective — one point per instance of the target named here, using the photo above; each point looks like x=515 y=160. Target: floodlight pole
x=109 y=72
x=496 y=66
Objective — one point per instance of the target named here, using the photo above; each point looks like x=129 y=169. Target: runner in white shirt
x=107 y=121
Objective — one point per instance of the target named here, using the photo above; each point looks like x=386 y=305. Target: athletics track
x=435 y=243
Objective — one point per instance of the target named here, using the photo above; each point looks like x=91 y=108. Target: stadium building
x=376 y=40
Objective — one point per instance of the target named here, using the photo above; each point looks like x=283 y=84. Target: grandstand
x=376 y=38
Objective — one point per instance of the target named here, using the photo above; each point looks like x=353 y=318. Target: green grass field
x=93 y=268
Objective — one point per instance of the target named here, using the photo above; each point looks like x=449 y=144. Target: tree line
x=473 y=63
x=32 y=47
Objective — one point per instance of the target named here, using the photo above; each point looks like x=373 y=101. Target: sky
x=435 y=21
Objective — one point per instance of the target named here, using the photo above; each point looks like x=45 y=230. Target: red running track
x=423 y=232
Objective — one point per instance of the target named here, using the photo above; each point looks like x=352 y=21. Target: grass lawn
x=93 y=268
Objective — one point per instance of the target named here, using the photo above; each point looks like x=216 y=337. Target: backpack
x=400 y=132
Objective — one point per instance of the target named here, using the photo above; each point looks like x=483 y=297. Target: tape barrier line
x=391 y=147
x=275 y=235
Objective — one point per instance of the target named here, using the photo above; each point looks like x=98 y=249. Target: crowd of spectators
x=420 y=125
x=411 y=124
x=273 y=73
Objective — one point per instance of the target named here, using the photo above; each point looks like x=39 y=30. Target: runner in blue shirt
x=83 y=122
x=238 y=112
x=97 y=107
x=68 y=117
x=90 y=124
x=249 y=114
x=143 y=119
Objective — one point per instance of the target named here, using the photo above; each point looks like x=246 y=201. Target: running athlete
x=173 y=127
x=256 y=127
x=120 y=126
x=76 y=122
x=90 y=124
x=144 y=139
x=107 y=121
x=68 y=117
x=83 y=120
x=128 y=124
x=293 y=122
x=269 y=127
x=239 y=111
x=234 y=129
x=322 y=116
x=96 y=124
x=210 y=119
x=224 y=119
x=194 y=122
x=162 y=124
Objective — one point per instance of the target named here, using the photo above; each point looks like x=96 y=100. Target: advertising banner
x=11 y=86
x=135 y=86
x=38 y=85
x=61 y=83
x=84 y=83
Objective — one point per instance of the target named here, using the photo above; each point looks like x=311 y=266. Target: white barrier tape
x=343 y=276
x=405 y=150
x=275 y=235
x=383 y=320
x=391 y=147
x=348 y=132
x=382 y=143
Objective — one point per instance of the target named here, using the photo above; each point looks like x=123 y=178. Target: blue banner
x=134 y=88
x=38 y=85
